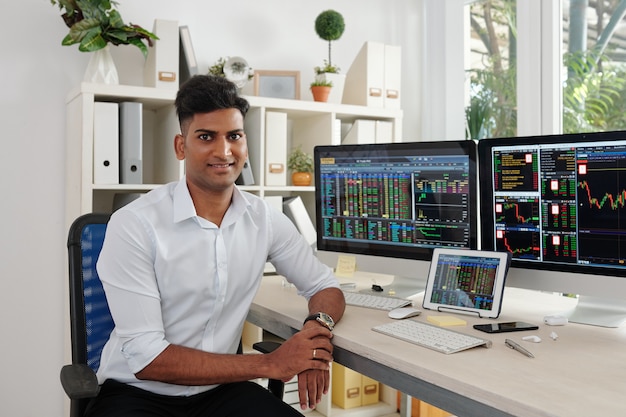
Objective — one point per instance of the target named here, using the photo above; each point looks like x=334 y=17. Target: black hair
x=207 y=93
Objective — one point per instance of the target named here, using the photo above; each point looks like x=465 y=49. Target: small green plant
x=95 y=23
x=218 y=68
x=329 y=25
x=300 y=161
x=321 y=83
x=327 y=68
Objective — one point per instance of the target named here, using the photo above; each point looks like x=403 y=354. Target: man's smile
x=226 y=165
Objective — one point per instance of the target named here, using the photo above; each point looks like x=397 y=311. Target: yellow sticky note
x=346 y=265
x=446 y=321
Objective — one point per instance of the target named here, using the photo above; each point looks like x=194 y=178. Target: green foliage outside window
x=594 y=94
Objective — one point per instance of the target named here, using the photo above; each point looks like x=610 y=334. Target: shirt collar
x=238 y=207
x=183 y=204
x=184 y=208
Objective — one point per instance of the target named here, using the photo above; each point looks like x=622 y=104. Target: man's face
x=214 y=148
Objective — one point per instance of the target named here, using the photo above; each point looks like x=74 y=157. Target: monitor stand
x=598 y=311
x=400 y=286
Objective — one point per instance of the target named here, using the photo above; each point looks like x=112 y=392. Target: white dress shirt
x=173 y=277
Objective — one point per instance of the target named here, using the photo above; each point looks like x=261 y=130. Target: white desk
x=582 y=373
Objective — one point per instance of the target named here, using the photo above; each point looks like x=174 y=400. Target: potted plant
x=321 y=88
x=326 y=69
x=95 y=24
x=329 y=25
x=301 y=165
x=235 y=69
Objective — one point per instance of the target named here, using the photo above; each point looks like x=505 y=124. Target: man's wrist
x=322 y=318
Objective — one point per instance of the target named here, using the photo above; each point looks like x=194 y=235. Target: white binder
x=131 y=143
x=393 y=76
x=384 y=131
x=187 y=63
x=294 y=208
x=362 y=132
x=105 y=143
x=246 y=177
x=275 y=148
x=374 y=78
x=336 y=139
x=161 y=66
x=366 y=77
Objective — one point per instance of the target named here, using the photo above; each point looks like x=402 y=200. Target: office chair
x=90 y=319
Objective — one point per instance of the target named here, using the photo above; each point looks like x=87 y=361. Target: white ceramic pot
x=101 y=68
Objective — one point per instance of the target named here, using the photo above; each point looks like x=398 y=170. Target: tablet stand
x=458 y=310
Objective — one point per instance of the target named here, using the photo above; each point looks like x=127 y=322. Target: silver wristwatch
x=323 y=318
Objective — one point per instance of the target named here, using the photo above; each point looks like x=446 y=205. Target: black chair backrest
x=91 y=321
x=90 y=318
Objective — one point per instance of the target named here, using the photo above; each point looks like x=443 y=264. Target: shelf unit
x=308 y=124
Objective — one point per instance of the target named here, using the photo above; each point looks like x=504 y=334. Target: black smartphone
x=511 y=326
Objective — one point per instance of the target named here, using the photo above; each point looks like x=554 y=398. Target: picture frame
x=277 y=84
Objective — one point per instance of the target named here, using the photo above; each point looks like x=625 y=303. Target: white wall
x=36 y=73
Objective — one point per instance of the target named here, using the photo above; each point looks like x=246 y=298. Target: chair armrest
x=79 y=381
x=266 y=347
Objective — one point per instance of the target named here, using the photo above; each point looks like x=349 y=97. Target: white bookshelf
x=309 y=124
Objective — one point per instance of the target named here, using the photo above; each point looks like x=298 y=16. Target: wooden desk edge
x=440 y=397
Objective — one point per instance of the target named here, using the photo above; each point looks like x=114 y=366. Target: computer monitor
x=558 y=204
x=389 y=205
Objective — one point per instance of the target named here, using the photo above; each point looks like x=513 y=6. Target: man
x=180 y=267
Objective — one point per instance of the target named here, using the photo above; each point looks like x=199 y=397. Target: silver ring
x=314 y=353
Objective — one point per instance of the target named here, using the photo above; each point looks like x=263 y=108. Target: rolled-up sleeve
x=294 y=258
x=127 y=273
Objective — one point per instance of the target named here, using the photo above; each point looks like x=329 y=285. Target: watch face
x=326 y=320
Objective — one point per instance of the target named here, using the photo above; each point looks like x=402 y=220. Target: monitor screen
x=396 y=200
x=557 y=203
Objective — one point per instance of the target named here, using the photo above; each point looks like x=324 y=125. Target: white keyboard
x=378 y=302
x=431 y=336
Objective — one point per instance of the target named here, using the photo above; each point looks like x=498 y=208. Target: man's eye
x=205 y=137
x=235 y=136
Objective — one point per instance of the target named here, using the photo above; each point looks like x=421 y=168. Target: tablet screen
x=466 y=281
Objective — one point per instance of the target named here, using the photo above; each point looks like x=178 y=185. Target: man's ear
x=179 y=147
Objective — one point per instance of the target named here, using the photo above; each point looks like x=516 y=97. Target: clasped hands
x=307 y=354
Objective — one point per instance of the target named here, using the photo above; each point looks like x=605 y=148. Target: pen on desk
x=517 y=347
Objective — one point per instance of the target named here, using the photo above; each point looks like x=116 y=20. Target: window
x=491 y=110
x=594 y=55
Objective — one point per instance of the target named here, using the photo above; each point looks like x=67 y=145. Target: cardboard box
x=346 y=386
x=370 y=390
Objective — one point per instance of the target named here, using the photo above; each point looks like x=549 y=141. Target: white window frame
x=539 y=68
